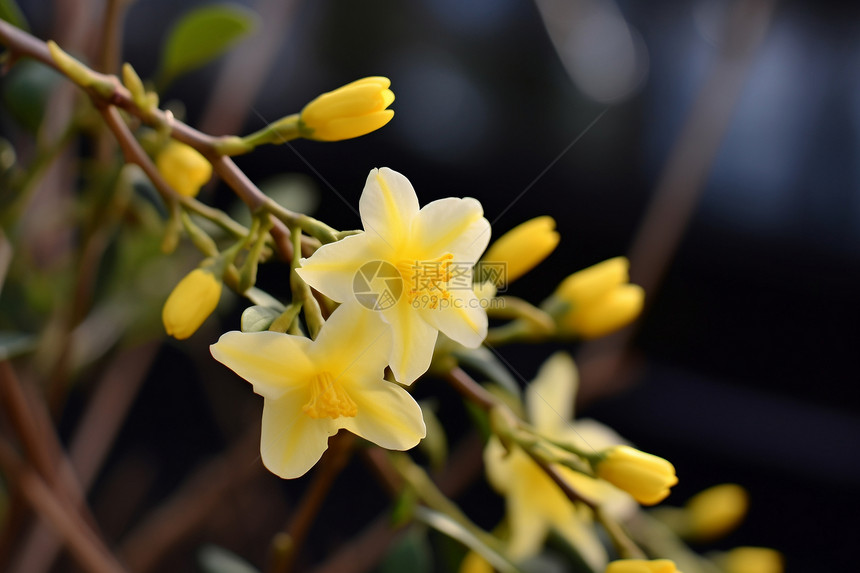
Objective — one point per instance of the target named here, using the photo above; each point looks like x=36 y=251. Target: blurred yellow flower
x=642 y=566
x=183 y=168
x=752 y=560
x=535 y=504
x=312 y=389
x=474 y=563
x=716 y=511
x=192 y=301
x=522 y=248
x=600 y=299
x=349 y=111
x=411 y=266
x=644 y=476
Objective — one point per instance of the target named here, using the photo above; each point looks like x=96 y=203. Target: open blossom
x=415 y=266
x=535 y=504
x=313 y=388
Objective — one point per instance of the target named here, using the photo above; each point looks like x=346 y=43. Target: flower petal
x=452 y=225
x=291 y=442
x=273 y=362
x=550 y=396
x=354 y=343
x=333 y=267
x=388 y=205
x=412 y=342
x=497 y=464
x=387 y=415
x=528 y=528
x=461 y=318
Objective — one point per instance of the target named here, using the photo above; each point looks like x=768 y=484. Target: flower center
x=426 y=282
x=329 y=399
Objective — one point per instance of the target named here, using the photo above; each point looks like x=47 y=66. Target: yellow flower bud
x=190 y=303
x=349 y=111
x=599 y=300
x=615 y=309
x=183 y=167
x=644 y=476
x=523 y=247
x=716 y=511
x=586 y=285
x=752 y=560
x=642 y=566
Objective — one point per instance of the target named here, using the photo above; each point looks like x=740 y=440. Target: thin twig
x=335 y=459
x=191 y=505
x=84 y=545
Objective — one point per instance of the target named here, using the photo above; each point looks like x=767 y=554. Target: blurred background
x=714 y=142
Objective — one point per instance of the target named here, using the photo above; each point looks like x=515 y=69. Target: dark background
x=747 y=356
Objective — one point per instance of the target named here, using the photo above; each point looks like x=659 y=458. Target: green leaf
x=26 y=90
x=258 y=318
x=435 y=443
x=10 y=12
x=485 y=362
x=202 y=35
x=214 y=559
x=14 y=343
x=411 y=553
x=450 y=527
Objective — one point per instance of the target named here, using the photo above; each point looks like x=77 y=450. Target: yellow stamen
x=427 y=281
x=329 y=399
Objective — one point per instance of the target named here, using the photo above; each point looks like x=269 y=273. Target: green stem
x=301 y=290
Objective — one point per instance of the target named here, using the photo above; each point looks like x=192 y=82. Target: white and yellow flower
x=313 y=388
x=421 y=258
x=535 y=504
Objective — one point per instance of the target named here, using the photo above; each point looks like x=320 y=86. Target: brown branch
x=470 y=389
x=191 y=505
x=338 y=454
x=82 y=543
x=14 y=403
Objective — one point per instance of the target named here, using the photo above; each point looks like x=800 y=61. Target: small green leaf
x=258 y=318
x=14 y=343
x=26 y=90
x=10 y=12
x=484 y=361
x=435 y=443
x=202 y=35
x=214 y=559
x=450 y=527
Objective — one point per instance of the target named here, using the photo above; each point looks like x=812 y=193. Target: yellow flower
x=349 y=111
x=752 y=560
x=716 y=511
x=190 y=303
x=312 y=389
x=535 y=504
x=641 y=566
x=522 y=248
x=474 y=563
x=644 y=476
x=183 y=167
x=600 y=299
x=412 y=266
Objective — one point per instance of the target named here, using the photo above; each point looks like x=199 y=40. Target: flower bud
x=349 y=111
x=598 y=300
x=644 y=476
x=523 y=248
x=190 y=303
x=642 y=566
x=752 y=560
x=610 y=312
x=716 y=511
x=183 y=168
